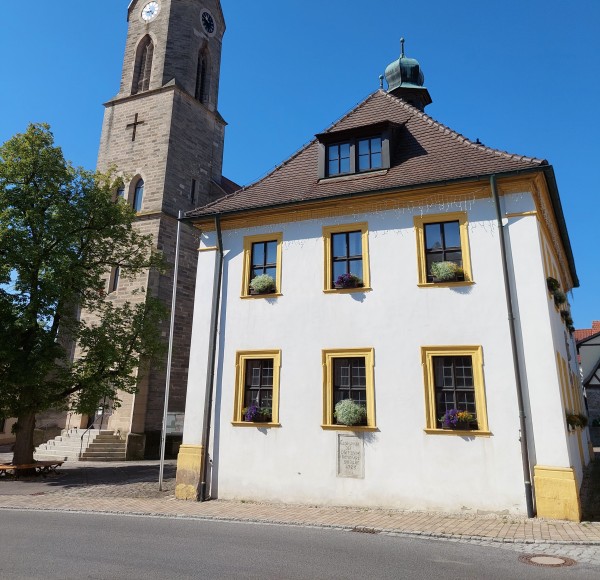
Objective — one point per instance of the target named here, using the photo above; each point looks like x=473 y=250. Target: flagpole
x=163 y=435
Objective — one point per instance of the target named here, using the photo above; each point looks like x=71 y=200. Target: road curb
x=395 y=532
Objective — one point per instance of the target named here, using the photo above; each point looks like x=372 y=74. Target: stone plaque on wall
x=350 y=456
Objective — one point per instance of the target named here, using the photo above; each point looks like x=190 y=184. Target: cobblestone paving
x=132 y=488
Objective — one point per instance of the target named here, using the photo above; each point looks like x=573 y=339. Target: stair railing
x=88 y=439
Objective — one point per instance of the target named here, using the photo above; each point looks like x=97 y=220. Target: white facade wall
x=404 y=467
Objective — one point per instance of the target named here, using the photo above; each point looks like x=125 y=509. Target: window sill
x=464 y=433
x=254 y=296
x=250 y=424
x=358 y=175
x=445 y=284
x=347 y=290
x=349 y=428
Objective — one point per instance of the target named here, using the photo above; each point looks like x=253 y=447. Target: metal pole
x=163 y=435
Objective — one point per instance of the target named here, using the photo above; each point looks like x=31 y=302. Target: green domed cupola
x=405 y=80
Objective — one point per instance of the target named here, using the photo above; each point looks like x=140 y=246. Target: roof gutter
x=515 y=356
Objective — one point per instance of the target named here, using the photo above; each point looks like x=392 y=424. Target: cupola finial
x=402 y=47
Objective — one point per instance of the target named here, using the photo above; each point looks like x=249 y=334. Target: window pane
x=333 y=168
x=363 y=147
x=452 y=234
x=334 y=152
x=455 y=257
x=376 y=145
x=345 y=165
x=433 y=237
x=339 y=245
x=356 y=268
x=364 y=163
x=355 y=243
x=376 y=161
x=271 y=253
x=339 y=268
x=345 y=150
x=271 y=272
x=258 y=254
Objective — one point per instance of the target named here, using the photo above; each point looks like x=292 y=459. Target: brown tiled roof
x=423 y=152
x=229 y=186
x=583 y=333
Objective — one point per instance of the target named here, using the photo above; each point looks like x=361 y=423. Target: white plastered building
x=382 y=194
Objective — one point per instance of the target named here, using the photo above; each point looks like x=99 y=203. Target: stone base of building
x=557 y=493
x=189 y=472
x=136 y=445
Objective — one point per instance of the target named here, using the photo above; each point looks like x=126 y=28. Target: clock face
x=208 y=22
x=150 y=11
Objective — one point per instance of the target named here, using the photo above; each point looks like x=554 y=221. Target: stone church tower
x=163 y=134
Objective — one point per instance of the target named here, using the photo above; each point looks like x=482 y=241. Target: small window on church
x=113 y=282
x=143 y=66
x=121 y=192
x=139 y=195
x=193 y=191
x=202 y=77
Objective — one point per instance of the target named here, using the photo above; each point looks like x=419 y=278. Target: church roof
x=426 y=152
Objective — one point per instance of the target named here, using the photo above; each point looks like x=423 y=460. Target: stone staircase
x=98 y=445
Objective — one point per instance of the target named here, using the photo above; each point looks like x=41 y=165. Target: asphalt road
x=70 y=545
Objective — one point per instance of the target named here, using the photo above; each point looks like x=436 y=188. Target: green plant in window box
x=559 y=297
x=256 y=414
x=349 y=412
x=446 y=272
x=576 y=421
x=263 y=284
x=553 y=284
x=348 y=281
x=566 y=316
x=596 y=422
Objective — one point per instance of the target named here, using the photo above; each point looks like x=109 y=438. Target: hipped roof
x=425 y=152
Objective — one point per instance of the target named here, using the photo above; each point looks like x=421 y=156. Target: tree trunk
x=23 y=451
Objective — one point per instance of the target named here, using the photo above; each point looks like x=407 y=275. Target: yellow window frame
x=328 y=356
x=420 y=222
x=363 y=227
x=247 y=266
x=476 y=354
x=241 y=357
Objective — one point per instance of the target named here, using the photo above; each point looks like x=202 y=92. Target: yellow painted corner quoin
x=557 y=493
x=189 y=472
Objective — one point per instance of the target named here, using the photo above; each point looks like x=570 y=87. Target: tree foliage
x=61 y=233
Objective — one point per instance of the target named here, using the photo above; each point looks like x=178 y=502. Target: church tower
x=164 y=136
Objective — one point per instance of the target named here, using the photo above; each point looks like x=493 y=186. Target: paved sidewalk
x=132 y=488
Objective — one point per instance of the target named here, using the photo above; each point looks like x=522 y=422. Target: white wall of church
x=404 y=467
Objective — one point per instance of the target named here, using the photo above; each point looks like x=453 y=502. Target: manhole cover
x=548 y=561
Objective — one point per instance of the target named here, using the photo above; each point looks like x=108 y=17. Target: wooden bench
x=41 y=467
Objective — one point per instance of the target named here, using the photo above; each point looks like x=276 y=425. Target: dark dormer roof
x=423 y=152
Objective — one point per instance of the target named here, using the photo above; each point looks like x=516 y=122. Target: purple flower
x=253 y=413
x=348 y=281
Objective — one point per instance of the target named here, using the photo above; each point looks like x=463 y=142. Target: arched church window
x=138 y=195
x=143 y=66
x=202 y=76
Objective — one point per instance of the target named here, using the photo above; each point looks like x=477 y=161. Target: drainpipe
x=515 y=355
x=210 y=376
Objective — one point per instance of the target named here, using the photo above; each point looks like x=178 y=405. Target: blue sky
x=520 y=75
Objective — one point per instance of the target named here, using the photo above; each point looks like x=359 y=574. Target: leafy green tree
x=61 y=232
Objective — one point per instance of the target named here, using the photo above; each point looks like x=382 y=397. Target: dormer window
x=338 y=157
x=354 y=151
x=369 y=154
